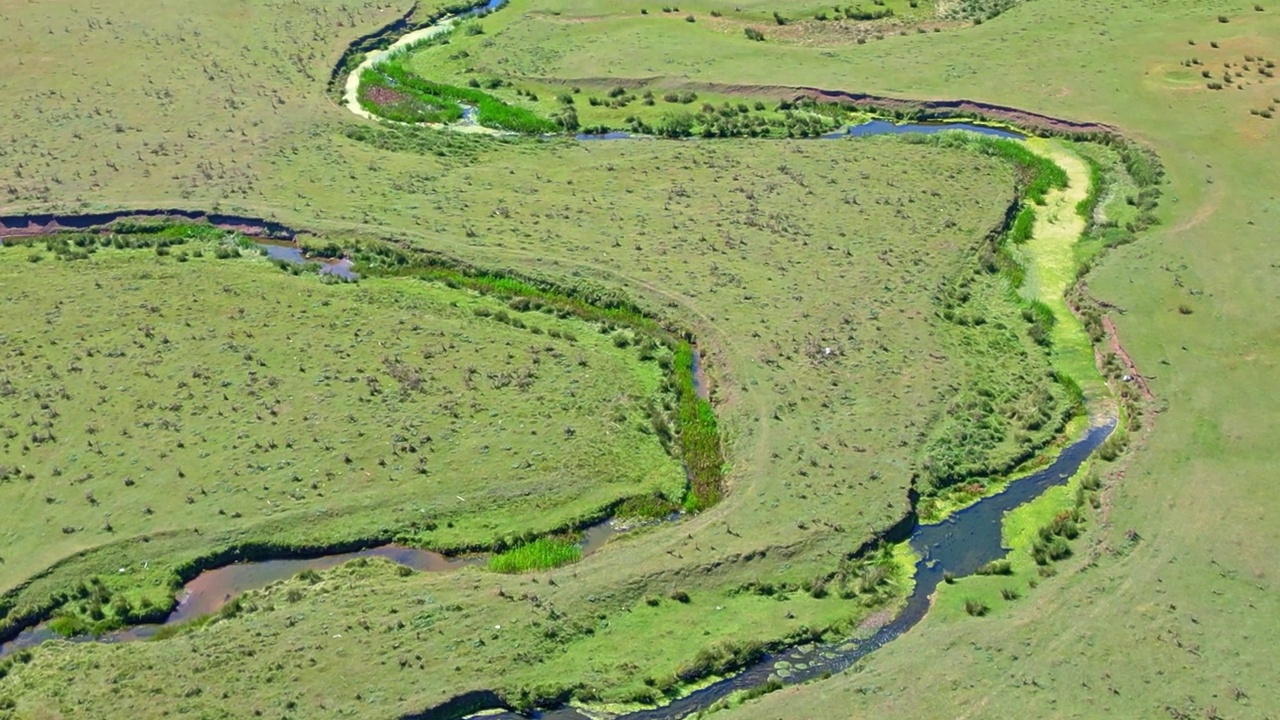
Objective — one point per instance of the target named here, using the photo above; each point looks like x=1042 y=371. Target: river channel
x=959 y=545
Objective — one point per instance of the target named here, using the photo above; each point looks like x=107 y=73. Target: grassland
x=212 y=403
x=725 y=235
x=849 y=455
x=836 y=460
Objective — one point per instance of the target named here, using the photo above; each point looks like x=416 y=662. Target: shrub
x=675 y=125
x=976 y=608
x=996 y=567
x=646 y=507
x=1113 y=446
x=753 y=34
x=1022 y=224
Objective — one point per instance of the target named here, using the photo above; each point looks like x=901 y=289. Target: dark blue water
x=482 y=10
x=884 y=127
x=960 y=545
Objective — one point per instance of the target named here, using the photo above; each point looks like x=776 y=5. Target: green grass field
x=809 y=272
x=213 y=402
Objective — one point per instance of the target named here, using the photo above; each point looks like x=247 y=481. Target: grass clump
x=1051 y=543
x=699 y=436
x=646 y=507
x=720 y=659
x=540 y=554
x=997 y=567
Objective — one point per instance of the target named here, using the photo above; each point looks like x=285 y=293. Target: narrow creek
x=959 y=545
x=291 y=252
x=213 y=589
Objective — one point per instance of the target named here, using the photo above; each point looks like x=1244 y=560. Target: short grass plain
x=793 y=408
x=262 y=111
x=212 y=402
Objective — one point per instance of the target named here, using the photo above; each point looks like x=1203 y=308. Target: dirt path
x=1202 y=213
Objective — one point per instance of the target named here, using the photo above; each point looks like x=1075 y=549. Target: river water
x=964 y=542
x=213 y=589
x=959 y=545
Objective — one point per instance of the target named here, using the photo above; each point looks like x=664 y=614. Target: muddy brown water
x=213 y=589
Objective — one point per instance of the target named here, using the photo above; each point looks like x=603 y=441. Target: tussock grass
x=541 y=554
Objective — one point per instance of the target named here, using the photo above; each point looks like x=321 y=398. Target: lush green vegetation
x=405 y=102
x=391 y=90
x=804 y=355
x=815 y=277
x=541 y=554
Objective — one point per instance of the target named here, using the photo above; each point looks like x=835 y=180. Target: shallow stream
x=959 y=545
x=213 y=589
x=964 y=542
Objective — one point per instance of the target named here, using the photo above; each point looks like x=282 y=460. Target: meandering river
x=959 y=545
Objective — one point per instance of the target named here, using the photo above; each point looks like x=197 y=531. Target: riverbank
x=153 y=561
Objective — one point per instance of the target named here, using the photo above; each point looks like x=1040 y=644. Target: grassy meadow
x=783 y=378
x=214 y=402
x=809 y=272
